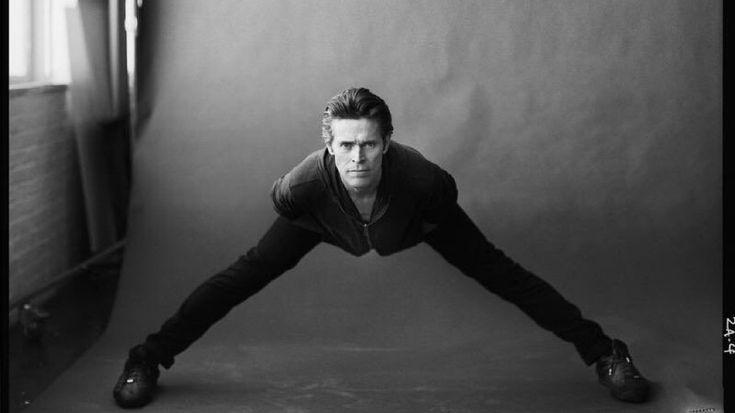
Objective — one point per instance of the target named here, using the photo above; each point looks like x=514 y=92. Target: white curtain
x=100 y=112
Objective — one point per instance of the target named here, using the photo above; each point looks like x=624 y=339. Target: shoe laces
x=625 y=366
x=621 y=361
x=135 y=372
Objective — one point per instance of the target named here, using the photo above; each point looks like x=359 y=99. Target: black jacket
x=414 y=194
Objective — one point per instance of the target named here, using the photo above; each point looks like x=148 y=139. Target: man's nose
x=358 y=154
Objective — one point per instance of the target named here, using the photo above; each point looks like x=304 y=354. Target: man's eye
x=370 y=145
x=345 y=145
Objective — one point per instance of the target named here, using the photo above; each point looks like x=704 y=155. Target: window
x=38 y=51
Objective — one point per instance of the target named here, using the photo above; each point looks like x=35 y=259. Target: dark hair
x=356 y=103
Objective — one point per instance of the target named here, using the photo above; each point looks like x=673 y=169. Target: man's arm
x=442 y=196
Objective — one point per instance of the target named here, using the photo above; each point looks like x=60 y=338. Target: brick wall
x=47 y=231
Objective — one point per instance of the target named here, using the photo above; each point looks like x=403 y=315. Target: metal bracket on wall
x=32 y=320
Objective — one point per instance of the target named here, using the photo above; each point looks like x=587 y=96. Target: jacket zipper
x=375 y=219
x=363 y=224
x=367 y=235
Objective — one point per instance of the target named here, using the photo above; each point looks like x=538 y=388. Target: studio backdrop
x=584 y=137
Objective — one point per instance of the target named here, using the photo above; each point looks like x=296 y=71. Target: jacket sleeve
x=441 y=197
x=284 y=202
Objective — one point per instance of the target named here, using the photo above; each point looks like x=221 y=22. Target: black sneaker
x=137 y=384
x=617 y=372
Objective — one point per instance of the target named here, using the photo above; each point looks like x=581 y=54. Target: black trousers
x=457 y=239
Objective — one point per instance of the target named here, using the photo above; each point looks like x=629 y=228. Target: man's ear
x=329 y=147
x=386 y=145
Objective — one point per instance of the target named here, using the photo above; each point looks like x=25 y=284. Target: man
x=363 y=192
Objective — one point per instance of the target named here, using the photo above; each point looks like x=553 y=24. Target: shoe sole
x=629 y=394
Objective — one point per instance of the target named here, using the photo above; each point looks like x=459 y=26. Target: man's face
x=358 y=150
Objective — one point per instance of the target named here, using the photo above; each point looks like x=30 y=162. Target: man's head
x=356 y=128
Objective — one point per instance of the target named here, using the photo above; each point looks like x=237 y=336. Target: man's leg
x=279 y=250
x=462 y=244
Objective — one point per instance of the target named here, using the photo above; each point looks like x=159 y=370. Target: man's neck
x=362 y=193
x=363 y=199
x=364 y=202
